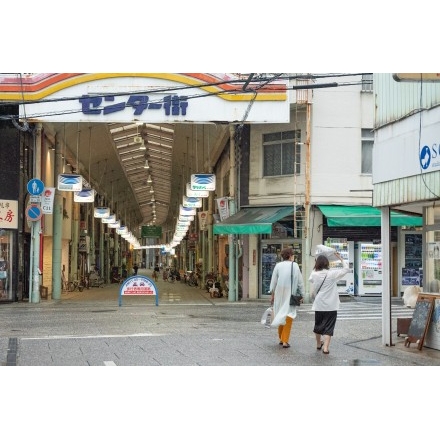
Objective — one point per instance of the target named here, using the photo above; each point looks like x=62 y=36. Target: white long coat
x=281 y=284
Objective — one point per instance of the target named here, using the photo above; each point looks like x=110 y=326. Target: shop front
x=263 y=232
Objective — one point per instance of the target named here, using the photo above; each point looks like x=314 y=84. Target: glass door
x=270 y=254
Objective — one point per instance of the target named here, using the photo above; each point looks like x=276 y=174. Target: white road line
x=135 y=335
x=109 y=364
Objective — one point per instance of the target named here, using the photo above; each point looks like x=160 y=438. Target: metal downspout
x=231 y=237
x=306 y=240
x=57 y=219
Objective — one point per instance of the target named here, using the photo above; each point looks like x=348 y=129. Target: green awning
x=365 y=216
x=254 y=220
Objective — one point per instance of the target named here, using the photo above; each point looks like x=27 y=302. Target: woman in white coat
x=286 y=278
x=326 y=303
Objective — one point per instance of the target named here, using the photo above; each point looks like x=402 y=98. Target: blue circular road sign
x=35 y=187
x=34 y=212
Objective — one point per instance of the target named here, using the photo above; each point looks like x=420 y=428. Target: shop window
x=367 y=82
x=282 y=153
x=367 y=151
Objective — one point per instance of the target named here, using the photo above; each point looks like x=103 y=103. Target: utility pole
x=36 y=225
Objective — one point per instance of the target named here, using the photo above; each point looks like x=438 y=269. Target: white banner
x=223 y=208
x=203 y=220
x=47 y=200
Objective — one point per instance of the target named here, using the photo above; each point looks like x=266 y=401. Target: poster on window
x=434 y=250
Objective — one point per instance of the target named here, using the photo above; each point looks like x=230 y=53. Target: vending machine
x=368 y=269
x=345 y=248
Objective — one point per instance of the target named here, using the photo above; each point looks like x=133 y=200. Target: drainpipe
x=75 y=239
x=36 y=226
x=57 y=219
x=239 y=254
x=306 y=240
x=232 y=209
x=210 y=235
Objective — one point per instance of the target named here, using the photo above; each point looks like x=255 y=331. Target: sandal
x=319 y=348
x=286 y=346
x=325 y=352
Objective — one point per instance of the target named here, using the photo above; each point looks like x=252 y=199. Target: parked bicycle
x=173 y=275
x=211 y=278
x=191 y=278
x=75 y=284
x=95 y=280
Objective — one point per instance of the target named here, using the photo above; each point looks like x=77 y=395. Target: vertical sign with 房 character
x=9 y=214
x=138 y=285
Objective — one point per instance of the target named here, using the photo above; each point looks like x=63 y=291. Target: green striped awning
x=365 y=216
x=253 y=220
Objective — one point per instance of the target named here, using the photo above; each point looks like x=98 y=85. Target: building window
x=367 y=151
x=367 y=83
x=282 y=153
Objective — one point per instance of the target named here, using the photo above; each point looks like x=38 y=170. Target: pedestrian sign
x=33 y=212
x=35 y=187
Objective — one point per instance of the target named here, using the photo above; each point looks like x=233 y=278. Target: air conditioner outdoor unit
x=138 y=140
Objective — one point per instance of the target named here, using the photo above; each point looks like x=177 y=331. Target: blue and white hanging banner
x=114 y=225
x=122 y=230
x=182 y=228
x=201 y=182
x=187 y=211
x=101 y=212
x=183 y=223
x=86 y=195
x=193 y=193
x=109 y=219
x=70 y=182
x=192 y=202
x=186 y=217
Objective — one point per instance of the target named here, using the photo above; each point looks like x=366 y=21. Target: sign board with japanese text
x=151 y=231
x=154 y=97
x=8 y=214
x=138 y=285
x=200 y=182
x=70 y=182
